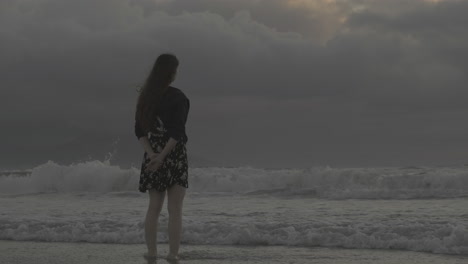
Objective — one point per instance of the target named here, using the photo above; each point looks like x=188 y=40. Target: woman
x=160 y=119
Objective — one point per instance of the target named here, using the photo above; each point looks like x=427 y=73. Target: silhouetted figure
x=160 y=119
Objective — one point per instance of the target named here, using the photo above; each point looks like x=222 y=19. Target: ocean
x=312 y=211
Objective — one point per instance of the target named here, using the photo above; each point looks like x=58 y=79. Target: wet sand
x=20 y=252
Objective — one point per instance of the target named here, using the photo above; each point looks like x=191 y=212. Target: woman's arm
x=168 y=148
x=146 y=145
x=158 y=159
x=177 y=118
x=176 y=130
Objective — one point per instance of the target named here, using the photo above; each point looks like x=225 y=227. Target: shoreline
x=40 y=252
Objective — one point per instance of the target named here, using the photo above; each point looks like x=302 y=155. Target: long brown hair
x=157 y=83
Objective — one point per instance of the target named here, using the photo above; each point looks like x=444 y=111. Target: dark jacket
x=173 y=112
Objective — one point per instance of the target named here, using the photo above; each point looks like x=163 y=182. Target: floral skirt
x=174 y=170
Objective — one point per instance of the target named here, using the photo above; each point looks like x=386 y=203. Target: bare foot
x=150 y=256
x=172 y=257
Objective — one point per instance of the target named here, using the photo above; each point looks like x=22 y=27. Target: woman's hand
x=156 y=161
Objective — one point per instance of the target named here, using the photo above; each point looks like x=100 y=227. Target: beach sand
x=19 y=252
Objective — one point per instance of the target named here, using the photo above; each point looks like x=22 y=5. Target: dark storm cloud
x=293 y=83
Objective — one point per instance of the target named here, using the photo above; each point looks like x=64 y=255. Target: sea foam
x=318 y=182
x=447 y=238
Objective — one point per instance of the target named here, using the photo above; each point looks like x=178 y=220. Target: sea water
x=421 y=209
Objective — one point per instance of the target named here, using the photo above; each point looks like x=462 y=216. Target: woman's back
x=173 y=111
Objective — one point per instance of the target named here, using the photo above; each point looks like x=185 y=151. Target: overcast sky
x=272 y=83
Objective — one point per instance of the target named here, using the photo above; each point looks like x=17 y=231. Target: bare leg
x=175 y=196
x=151 y=222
